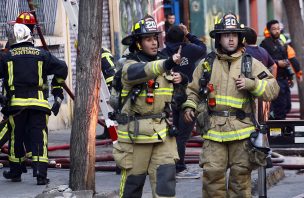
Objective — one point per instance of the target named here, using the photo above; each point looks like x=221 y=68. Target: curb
x=72 y=194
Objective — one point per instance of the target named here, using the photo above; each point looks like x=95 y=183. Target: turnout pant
x=215 y=159
x=32 y=123
x=5 y=134
x=155 y=159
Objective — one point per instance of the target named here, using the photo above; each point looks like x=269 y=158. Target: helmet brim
x=128 y=40
x=214 y=32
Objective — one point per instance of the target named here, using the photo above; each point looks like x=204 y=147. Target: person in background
x=258 y=52
x=192 y=50
x=108 y=70
x=170 y=21
x=262 y=55
x=278 y=51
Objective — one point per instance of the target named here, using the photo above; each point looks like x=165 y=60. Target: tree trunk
x=296 y=29
x=88 y=69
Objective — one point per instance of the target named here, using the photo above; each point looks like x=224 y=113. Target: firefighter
x=146 y=144
x=24 y=70
x=227 y=110
x=285 y=59
x=28 y=19
x=108 y=71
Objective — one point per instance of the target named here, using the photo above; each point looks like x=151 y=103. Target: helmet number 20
x=151 y=24
x=230 y=21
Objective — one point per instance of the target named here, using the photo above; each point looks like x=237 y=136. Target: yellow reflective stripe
x=124 y=93
x=40 y=79
x=108 y=57
x=164 y=89
x=15 y=159
x=10 y=70
x=110 y=79
x=3 y=131
x=223 y=136
x=60 y=80
x=190 y=103
x=29 y=102
x=159 y=91
x=40 y=95
x=12 y=149
x=105 y=54
x=122 y=182
x=57 y=87
x=260 y=89
x=40 y=159
x=125 y=135
x=231 y=101
x=155 y=68
x=45 y=143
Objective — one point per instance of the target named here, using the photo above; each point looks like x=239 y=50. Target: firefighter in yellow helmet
x=224 y=101
x=146 y=143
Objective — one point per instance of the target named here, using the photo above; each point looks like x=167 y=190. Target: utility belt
x=241 y=115
x=124 y=118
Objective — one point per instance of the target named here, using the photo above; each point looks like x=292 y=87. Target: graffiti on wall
x=204 y=13
x=131 y=11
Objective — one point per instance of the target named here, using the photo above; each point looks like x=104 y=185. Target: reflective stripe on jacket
x=25 y=69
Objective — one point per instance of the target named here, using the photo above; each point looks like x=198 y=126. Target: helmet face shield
x=145 y=26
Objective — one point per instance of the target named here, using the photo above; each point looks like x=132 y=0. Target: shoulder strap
x=246 y=68
x=206 y=74
x=208 y=63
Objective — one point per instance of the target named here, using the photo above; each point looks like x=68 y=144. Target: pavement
x=282 y=183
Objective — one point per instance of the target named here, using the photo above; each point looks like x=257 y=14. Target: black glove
x=56 y=106
x=58 y=92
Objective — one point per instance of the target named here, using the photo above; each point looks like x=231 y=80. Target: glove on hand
x=58 y=92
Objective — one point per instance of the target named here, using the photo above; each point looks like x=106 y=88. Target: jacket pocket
x=123 y=155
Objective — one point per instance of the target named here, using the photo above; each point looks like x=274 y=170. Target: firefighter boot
x=42 y=173
x=42 y=180
x=12 y=176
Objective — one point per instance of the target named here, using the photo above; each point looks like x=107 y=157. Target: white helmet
x=22 y=33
